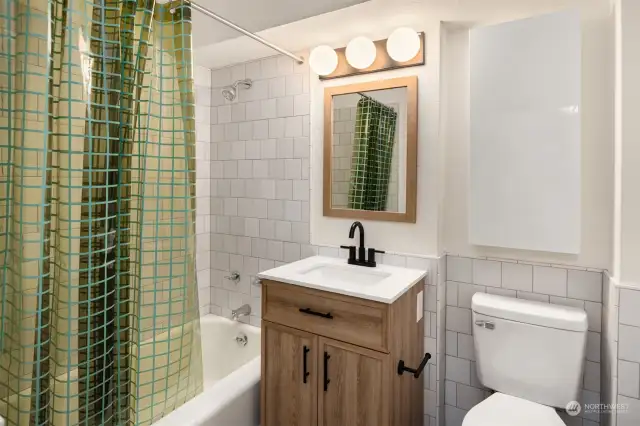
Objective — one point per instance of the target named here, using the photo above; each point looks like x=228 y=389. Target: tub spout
x=242 y=311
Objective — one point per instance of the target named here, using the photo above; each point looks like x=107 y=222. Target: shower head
x=230 y=92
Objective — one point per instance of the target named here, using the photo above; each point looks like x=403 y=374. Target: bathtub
x=231 y=395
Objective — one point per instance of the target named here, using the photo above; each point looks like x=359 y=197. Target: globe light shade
x=361 y=52
x=323 y=60
x=403 y=44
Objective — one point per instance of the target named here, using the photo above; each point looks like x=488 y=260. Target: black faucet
x=352 y=232
x=362 y=259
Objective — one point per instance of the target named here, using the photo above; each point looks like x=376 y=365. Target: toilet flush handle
x=485 y=324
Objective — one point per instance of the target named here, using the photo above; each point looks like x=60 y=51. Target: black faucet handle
x=352 y=252
x=372 y=255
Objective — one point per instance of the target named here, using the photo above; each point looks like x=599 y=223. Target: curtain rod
x=238 y=28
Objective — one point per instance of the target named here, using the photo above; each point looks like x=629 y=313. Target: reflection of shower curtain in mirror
x=99 y=319
x=372 y=154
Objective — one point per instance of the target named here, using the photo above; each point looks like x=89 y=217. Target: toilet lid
x=506 y=410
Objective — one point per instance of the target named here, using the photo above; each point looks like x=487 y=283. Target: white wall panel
x=525 y=187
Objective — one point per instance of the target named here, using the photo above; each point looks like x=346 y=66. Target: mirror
x=370 y=150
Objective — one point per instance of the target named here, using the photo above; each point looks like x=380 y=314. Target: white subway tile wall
x=259 y=207
x=549 y=284
x=435 y=304
x=611 y=366
x=628 y=350
x=202 y=77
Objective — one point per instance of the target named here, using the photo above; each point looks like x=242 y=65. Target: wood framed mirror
x=370 y=150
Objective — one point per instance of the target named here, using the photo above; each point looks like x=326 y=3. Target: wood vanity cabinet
x=332 y=360
x=290 y=362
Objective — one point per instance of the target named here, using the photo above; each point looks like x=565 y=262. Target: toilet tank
x=531 y=350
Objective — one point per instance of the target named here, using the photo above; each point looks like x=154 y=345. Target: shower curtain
x=373 y=142
x=99 y=321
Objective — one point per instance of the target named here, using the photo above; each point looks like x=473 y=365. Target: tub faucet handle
x=235 y=276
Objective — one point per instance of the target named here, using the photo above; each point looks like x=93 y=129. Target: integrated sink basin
x=383 y=283
x=344 y=273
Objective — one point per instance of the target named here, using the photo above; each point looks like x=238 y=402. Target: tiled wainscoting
x=609 y=348
x=546 y=283
x=628 y=350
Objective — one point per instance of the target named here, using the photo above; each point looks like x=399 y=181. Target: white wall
x=627 y=144
x=597 y=149
x=420 y=238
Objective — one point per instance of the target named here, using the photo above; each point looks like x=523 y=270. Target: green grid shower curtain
x=99 y=320
x=373 y=142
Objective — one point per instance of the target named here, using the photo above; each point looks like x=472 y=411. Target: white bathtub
x=231 y=395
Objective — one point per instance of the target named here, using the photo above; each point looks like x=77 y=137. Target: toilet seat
x=506 y=410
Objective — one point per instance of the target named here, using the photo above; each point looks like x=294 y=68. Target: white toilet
x=531 y=354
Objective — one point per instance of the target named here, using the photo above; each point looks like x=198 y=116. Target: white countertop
x=387 y=284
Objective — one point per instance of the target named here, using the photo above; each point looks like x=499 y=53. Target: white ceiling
x=375 y=19
x=256 y=15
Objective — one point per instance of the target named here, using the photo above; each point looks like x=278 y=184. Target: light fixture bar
x=238 y=28
x=382 y=62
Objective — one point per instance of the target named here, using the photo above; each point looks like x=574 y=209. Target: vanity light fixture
x=323 y=60
x=361 y=52
x=403 y=44
x=404 y=48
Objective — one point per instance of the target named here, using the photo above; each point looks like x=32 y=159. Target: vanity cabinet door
x=353 y=385
x=289 y=376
